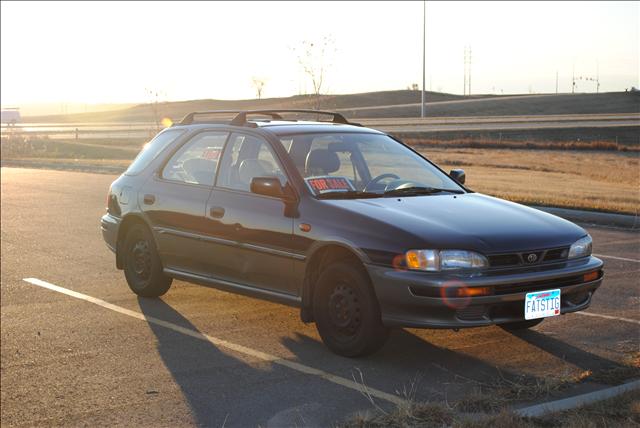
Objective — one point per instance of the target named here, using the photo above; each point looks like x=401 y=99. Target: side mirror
x=458 y=175
x=267 y=186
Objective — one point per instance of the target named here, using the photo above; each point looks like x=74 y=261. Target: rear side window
x=197 y=161
x=151 y=150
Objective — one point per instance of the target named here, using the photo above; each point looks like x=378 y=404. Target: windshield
x=360 y=165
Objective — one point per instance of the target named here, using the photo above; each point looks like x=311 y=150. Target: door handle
x=149 y=199
x=216 y=212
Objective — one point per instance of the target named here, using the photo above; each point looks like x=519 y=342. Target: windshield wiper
x=418 y=190
x=351 y=194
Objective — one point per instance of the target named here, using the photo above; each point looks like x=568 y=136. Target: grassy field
x=584 y=179
x=607 y=181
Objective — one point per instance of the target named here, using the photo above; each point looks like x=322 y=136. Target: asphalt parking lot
x=200 y=356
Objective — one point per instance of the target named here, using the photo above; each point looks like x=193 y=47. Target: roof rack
x=241 y=115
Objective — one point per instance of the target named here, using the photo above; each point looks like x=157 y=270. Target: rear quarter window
x=152 y=149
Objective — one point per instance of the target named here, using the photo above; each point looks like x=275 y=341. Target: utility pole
x=464 y=91
x=573 y=79
x=424 y=54
x=597 y=77
x=467 y=71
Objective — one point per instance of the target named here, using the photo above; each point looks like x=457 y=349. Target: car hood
x=469 y=221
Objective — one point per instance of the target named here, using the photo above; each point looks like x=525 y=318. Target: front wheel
x=521 y=325
x=347 y=313
x=142 y=265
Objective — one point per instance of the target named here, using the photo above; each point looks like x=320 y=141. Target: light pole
x=424 y=50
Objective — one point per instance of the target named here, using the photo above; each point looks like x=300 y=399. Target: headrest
x=250 y=168
x=321 y=161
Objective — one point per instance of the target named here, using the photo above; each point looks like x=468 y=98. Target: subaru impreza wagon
x=358 y=230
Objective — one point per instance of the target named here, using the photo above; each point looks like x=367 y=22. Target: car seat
x=202 y=170
x=321 y=162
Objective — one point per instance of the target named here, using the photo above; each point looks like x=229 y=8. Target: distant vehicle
x=347 y=223
x=10 y=116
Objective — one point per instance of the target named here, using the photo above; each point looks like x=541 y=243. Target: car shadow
x=198 y=367
x=222 y=389
x=409 y=363
x=567 y=352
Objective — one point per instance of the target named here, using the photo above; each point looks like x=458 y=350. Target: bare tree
x=258 y=85
x=315 y=59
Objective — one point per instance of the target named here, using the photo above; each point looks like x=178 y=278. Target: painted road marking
x=609 y=317
x=351 y=384
x=624 y=259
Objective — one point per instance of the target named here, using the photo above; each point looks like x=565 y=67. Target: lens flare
x=452 y=297
x=399 y=262
x=166 y=122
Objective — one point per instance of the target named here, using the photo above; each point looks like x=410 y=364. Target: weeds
x=600 y=145
x=489 y=403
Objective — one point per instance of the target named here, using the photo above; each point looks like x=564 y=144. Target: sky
x=121 y=52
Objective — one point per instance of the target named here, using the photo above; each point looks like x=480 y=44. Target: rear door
x=174 y=200
x=251 y=237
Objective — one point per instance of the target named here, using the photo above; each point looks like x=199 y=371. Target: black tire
x=521 y=325
x=142 y=264
x=346 y=311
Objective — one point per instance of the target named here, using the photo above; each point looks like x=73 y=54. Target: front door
x=250 y=235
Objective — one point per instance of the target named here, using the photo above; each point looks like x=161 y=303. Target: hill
x=404 y=103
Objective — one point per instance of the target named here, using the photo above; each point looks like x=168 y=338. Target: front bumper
x=109 y=226
x=419 y=299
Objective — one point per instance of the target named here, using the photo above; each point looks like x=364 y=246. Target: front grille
x=537 y=285
x=556 y=254
x=504 y=260
x=528 y=258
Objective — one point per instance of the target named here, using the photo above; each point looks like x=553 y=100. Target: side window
x=152 y=149
x=247 y=157
x=197 y=161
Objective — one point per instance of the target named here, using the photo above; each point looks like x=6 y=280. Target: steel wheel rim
x=344 y=311
x=141 y=259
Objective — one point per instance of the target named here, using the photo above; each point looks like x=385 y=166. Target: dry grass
x=621 y=411
x=592 y=180
x=489 y=403
x=489 y=143
x=607 y=181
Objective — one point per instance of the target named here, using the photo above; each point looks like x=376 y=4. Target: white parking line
x=609 y=317
x=624 y=259
x=223 y=343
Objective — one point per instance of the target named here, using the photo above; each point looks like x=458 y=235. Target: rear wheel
x=521 y=325
x=142 y=265
x=347 y=313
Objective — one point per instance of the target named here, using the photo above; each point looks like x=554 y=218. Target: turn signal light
x=591 y=276
x=473 y=291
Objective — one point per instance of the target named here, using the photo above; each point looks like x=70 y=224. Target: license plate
x=542 y=304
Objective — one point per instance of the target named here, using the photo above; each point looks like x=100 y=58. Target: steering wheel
x=377 y=179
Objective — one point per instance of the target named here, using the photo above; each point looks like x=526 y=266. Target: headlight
x=581 y=248
x=437 y=260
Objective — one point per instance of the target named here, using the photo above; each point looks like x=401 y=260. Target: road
x=393 y=124
x=504 y=123
x=121 y=360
